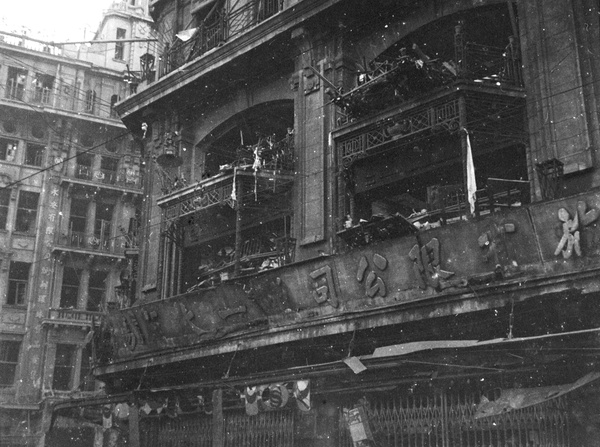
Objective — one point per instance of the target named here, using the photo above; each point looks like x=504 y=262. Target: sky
x=53 y=19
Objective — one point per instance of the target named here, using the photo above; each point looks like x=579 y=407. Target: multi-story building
x=69 y=194
x=378 y=226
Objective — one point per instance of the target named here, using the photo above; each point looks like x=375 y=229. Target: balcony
x=124 y=177
x=89 y=243
x=64 y=98
x=410 y=160
x=73 y=317
x=214 y=31
x=236 y=222
x=401 y=78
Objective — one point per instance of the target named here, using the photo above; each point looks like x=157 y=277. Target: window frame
x=96 y=290
x=8 y=153
x=90 y=101
x=120 y=46
x=5 y=194
x=44 y=86
x=66 y=369
x=65 y=302
x=11 y=364
x=84 y=161
x=16 y=293
x=37 y=150
x=16 y=79
x=26 y=216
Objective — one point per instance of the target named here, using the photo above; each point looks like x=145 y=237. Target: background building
x=378 y=226
x=70 y=193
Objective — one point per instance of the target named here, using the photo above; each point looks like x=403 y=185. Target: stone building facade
x=70 y=192
x=368 y=223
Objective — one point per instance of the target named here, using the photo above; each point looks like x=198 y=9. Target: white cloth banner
x=471 y=182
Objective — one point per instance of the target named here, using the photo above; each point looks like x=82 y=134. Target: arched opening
x=449 y=88
x=239 y=217
x=230 y=143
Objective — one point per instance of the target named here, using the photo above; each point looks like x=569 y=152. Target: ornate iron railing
x=384 y=84
x=433 y=117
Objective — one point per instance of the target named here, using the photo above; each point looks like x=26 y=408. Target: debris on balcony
x=393 y=81
x=409 y=73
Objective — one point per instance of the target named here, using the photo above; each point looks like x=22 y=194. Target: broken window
x=15 y=83
x=83 y=168
x=86 y=378
x=103 y=225
x=18 y=274
x=9 y=359
x=27 y=212
x=120 y=46
x=8 y=149
x=109 y=167
x=69 y=291
x=43 y=88
x=34 y=154
x=64 y=367
x=97 y=287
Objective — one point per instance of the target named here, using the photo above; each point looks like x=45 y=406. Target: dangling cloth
x=471 y=181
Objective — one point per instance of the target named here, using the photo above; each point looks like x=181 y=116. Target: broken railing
x=410 y=75
x=451 y=205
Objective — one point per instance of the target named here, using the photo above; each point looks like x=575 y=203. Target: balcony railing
x=94 y=242
x=219 y=190
x=65 y=98
x=218 y=29
x=493 y=121
x=83 y=172
x=384 y=84
x=123 y=177
x=73 y=317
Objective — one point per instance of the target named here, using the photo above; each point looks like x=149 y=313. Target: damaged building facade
x=366 y=223
x=70 y=189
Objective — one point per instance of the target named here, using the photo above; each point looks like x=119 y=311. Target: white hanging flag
x=471 y=182
x=187 y=34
